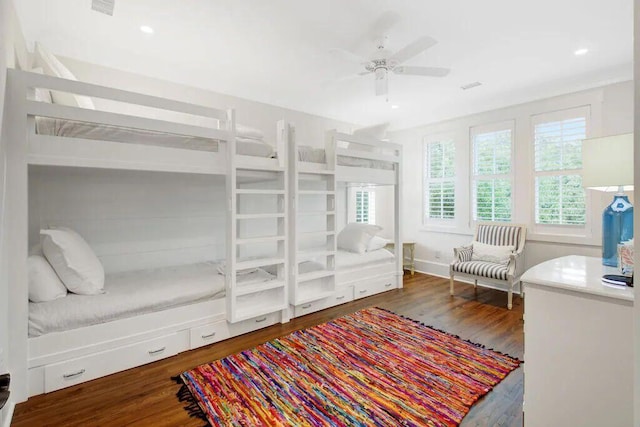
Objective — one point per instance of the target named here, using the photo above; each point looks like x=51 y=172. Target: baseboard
x=7 y=414
x=440 y=269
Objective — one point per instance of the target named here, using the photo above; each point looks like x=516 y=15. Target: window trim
x=488 y=128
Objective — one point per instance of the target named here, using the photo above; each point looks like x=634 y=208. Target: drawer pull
x=340 y=297
x=160 y=350
x=387 y=285
x=211 y=335
x=306 y=306
x=75 y=374
x=261 y=319
x=363 y=291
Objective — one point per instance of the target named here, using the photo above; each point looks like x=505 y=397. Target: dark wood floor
x=146 y=395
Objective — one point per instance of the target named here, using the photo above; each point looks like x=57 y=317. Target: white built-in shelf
x=303 y=256
x=311 y=213
x=260 y=262
x=316 y=233
x=312 y=295
x=245 y=313
x=259 y=192
x=260 y=216
x=314 y=168
x=255 y=163
x=264 y=239
x=316 y=192
x=314 y=275
x=259 y=287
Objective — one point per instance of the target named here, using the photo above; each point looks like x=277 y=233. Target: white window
x=365 y=206
x=557 y=140
x=439 y=180
x=492 y=173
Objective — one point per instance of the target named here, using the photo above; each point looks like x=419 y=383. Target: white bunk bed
x=334 y=276
x=46 y=358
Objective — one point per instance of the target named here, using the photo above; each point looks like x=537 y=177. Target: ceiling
x=279 y=51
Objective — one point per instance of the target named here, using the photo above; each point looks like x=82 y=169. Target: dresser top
x=576 y=273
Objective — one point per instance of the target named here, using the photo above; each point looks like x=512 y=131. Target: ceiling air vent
x=470 y=85
x=103 y=6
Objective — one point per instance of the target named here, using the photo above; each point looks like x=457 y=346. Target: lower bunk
x=143 y=316
x=357 y=276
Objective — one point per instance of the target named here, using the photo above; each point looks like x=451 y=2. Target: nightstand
x=408 y=252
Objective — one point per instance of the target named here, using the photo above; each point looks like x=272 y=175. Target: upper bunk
x=187 y=138
x=352 y=158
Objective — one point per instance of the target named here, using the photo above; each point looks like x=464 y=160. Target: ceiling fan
x=383 y=61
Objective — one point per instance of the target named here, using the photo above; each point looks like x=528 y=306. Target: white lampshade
x=607 y=163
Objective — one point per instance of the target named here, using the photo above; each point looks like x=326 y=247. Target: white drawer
x=208 y=334
x=254 y=324
x=373 y=287
x=342 y=295
x=310 y=307
x=76 y=371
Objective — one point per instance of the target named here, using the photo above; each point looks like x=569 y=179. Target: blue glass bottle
x=617 y=226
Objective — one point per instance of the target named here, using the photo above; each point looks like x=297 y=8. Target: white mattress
x=317 y=155
x=132 y=293
x=247 y=144
x=348 y=260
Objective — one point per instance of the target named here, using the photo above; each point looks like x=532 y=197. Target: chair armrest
x=515 y=267
x=462 y=254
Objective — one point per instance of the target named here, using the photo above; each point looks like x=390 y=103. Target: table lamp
x=607 y=165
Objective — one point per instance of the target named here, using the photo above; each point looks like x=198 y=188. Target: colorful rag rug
x=370 y=368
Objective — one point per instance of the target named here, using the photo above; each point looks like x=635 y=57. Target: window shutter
x=560 y=197
x=492 y=175
x=439 y=180
x=365 y=206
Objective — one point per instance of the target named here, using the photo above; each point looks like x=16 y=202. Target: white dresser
x=578 y=346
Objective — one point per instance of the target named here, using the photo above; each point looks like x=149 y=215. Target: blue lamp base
x=617 y=227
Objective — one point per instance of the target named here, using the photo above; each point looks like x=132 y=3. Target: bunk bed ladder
x=312 y=233
x=256 y=239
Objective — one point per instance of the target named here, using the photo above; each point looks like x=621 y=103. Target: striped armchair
x=468 y=265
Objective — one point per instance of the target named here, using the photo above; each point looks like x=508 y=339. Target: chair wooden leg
x=451 y=285
x=510 y=298
x=475 y=285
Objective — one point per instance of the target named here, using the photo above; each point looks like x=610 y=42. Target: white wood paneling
x=132 y=219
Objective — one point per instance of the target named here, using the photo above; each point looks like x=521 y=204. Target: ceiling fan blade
x=422 y=71
x=413 y=49
x=364 y=73
x=381 y=83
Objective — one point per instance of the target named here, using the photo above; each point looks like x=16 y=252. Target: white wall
x=12 y=50
x=611 y=113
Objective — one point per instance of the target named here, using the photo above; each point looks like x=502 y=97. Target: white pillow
x=377 y=243
x=44 y=283
x=491 y=253
x=42 y=95
x=53 y=67
x=73 y=260
x=355 y=237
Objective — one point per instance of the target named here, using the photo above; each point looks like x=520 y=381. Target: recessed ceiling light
x=581 y=52
x=395 y=107
x=146 y=29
